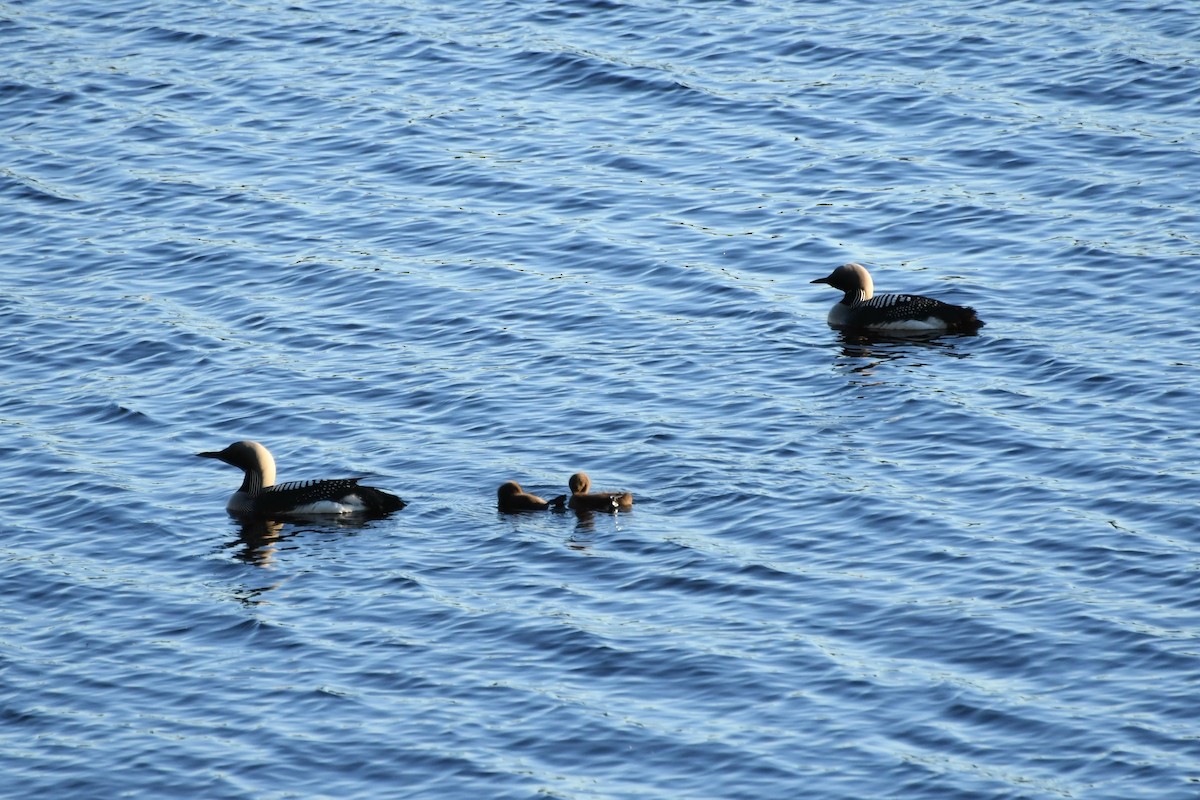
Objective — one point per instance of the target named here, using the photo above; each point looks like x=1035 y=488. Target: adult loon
x=861 y=309
x=510 y=497
x=584 y=499
x=259 y=495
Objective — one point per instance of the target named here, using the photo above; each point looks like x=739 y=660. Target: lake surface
x=448 y=245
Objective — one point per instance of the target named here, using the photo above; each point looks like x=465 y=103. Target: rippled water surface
x=449 y=245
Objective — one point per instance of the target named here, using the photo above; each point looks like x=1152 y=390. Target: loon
x=511 y=497
x=260 y=496
x=860 y=308
x=583 y=499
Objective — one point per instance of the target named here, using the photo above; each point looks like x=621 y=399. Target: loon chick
x=259 y=495
x=511 y=497
x=861 y=308
x=583 y=499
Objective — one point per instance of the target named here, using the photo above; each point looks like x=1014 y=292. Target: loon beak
x=822 y=280
x=210 y=455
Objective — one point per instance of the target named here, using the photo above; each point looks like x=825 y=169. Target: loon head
x=507 y=490
x=579 y=483
x=853 y=279
x=251 y=458
x=511 y=497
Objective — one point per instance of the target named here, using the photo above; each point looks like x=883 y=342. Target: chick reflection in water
x=511 y=498
x=584 y=499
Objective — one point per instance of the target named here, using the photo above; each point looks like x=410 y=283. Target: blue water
x=449 y=245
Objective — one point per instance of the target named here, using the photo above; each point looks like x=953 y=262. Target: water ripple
x=447 y=247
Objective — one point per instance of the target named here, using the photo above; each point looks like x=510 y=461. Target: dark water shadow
x=260 y=538
x=950 y=342
x=872 y=350
x=584 y=534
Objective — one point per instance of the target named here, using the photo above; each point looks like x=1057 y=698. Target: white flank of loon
x=860 y=308
x=259 y=495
